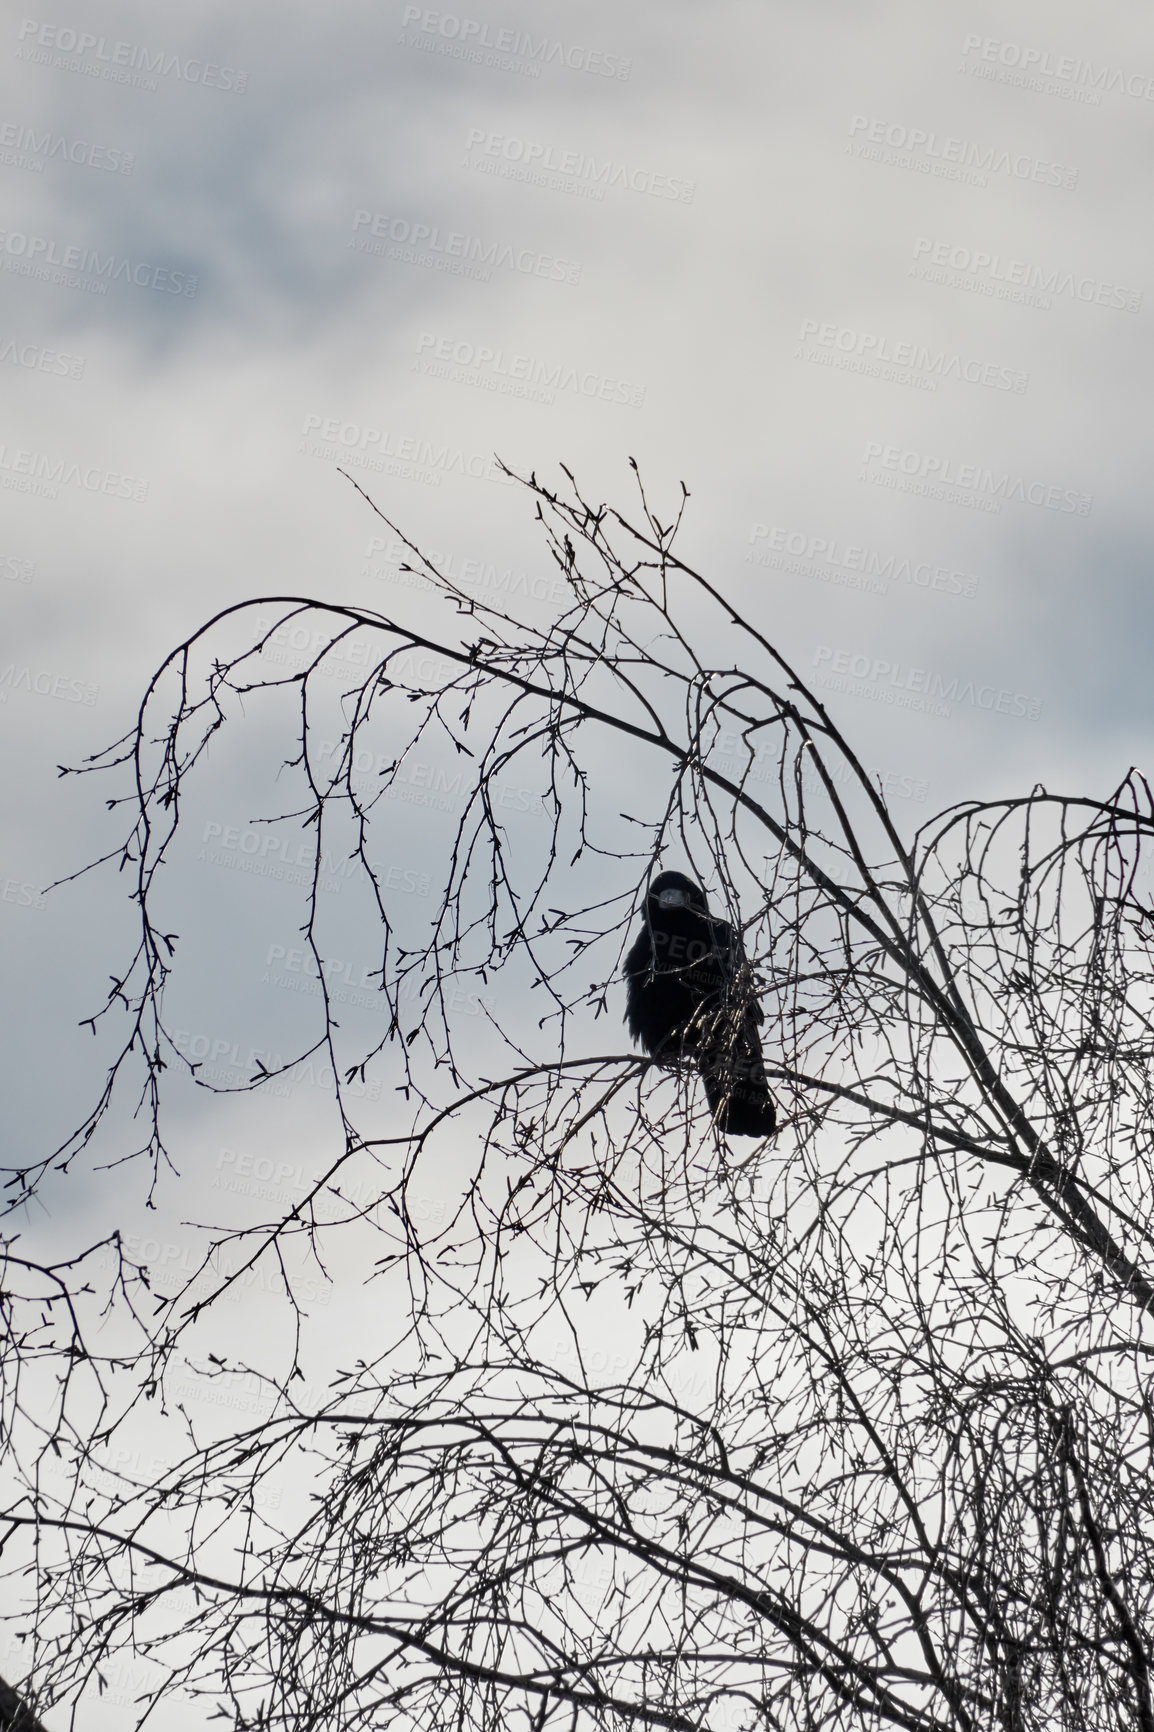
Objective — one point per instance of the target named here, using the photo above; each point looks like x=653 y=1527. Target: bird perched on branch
x=690 y=996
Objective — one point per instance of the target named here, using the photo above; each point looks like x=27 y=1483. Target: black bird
x=689 y=996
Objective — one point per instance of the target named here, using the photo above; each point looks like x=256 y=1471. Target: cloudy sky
x=873 y=281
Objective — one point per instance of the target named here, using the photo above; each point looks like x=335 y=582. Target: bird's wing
x=736 y=963
x=638 y=964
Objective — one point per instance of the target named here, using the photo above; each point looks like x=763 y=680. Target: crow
x=689 y=996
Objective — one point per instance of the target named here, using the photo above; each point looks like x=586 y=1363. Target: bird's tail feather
x=738 y=1092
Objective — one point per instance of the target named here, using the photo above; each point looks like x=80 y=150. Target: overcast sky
x=873 y=281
